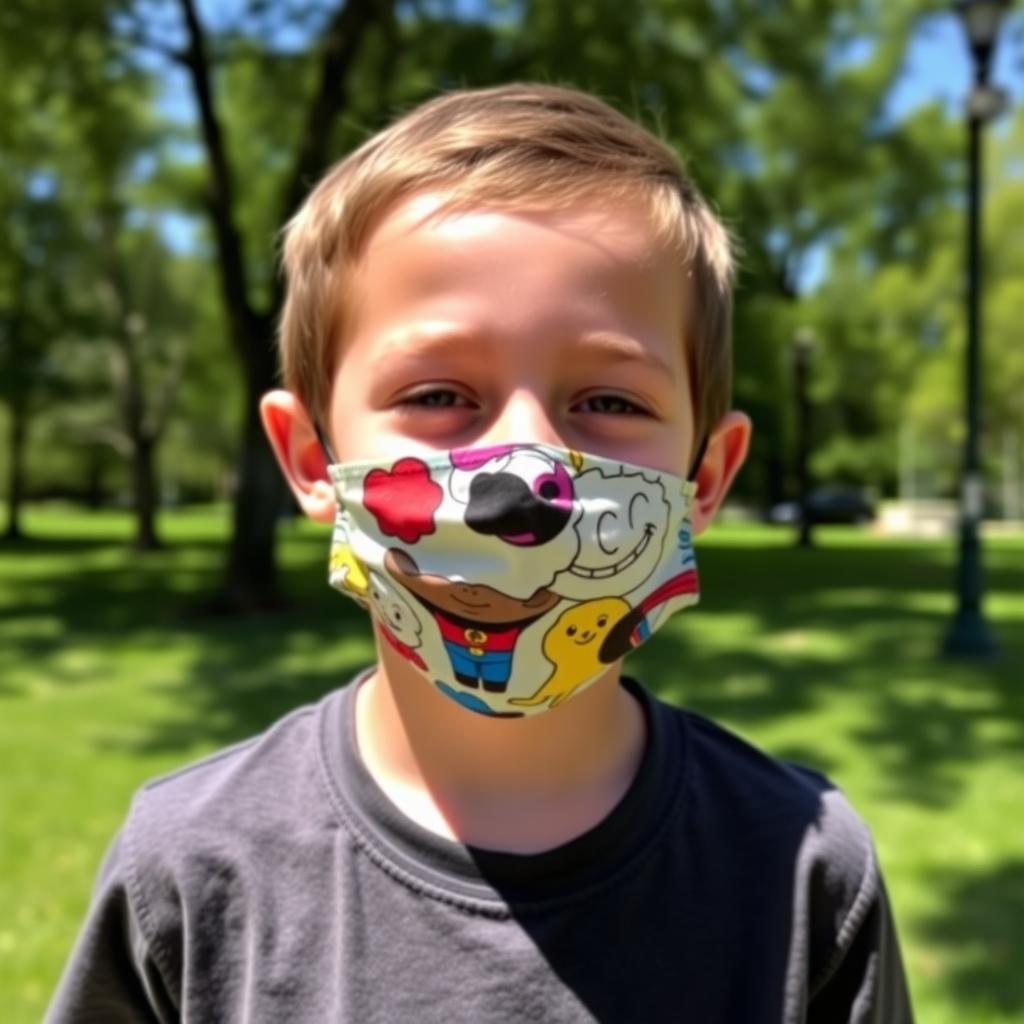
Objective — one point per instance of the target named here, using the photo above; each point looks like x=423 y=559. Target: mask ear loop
x=324 y=444
x=697 y=458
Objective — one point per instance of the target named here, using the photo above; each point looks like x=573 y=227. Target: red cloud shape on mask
x=403 y=501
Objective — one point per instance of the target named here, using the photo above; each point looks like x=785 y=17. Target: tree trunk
x=775 y=477
x=95 y=494
x=145 y=493
x=16 y=468
x=251 y=580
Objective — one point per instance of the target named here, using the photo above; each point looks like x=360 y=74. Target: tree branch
x=344 y=37
x=105 y=434
x=136 y=37
x=341 y=48
x=221 y=196
x=170 y=385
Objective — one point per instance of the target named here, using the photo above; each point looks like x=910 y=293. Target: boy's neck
x=522 y=785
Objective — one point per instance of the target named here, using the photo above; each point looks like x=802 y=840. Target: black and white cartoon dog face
x=516 y=492
x=519 y=501
x=622 y=533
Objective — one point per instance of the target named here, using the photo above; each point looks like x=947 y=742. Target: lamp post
x=968 y=635
x=803 y=350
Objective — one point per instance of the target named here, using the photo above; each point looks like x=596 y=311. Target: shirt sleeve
x=864 y=983
x=111 y=975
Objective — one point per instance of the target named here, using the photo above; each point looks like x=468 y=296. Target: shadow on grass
x=779 y=632
x=872 y=610
x=251 y=671
x=30 y=545
x=33 y=544
x=981 y=924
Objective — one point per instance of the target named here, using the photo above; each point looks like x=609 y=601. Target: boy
x=506 y=352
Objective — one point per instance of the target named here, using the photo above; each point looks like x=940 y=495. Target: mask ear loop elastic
x=322 y=438
x=325 y=444
x=697 y=458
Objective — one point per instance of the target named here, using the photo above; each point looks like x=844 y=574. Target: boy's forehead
x=623 y=230
x=434 y=273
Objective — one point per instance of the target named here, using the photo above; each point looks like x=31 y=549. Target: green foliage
x=891 y=323
x=95 y=310
x=778 y=110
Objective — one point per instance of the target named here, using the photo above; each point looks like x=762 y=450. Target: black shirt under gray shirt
x=275 y=881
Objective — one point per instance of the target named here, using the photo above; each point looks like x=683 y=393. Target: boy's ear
x=727 y=448
x=297 y=447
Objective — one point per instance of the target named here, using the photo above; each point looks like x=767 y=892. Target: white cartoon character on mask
x=396 y=621
x=621 y=532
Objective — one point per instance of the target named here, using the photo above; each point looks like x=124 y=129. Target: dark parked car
x=828 y=504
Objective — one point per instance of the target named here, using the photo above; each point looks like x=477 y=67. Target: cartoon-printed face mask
x=511 y=577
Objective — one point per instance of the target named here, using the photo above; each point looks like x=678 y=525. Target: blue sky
x=938 y=64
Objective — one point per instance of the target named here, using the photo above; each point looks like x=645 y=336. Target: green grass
x=826 y=656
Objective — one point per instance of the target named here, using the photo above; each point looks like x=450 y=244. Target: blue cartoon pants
x=493 y=667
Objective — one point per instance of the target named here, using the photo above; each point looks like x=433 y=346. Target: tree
x=40 y=251
x=128 y=363
x=892 y=311
x=251 y=307
x=86 y=286
x=31 y=308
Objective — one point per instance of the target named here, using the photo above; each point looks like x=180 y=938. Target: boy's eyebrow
x=422 y=341
x=624 y=348
x=417 y=341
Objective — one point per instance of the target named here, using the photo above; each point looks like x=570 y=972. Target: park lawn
x=109 y=675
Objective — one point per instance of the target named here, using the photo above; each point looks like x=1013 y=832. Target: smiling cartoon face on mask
x=621 y=530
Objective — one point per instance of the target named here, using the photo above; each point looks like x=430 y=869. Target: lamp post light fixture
x=968 y=635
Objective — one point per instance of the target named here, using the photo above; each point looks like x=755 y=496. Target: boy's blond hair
x=517 y=145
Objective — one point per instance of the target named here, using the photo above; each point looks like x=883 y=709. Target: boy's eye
x=610 y=405
x=437 y=398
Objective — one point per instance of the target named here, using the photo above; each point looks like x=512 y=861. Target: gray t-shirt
x=275 y=881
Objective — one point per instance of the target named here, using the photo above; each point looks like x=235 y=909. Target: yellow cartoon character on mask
x=573 y=646
x=347 y=573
